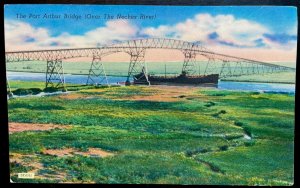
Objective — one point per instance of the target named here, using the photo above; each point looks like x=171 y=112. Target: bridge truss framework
x=224 y=65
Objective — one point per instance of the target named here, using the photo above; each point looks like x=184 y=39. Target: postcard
x=123 y=94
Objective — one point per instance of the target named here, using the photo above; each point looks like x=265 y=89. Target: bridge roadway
x=230 y=65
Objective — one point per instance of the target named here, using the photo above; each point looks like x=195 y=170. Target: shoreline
x=64 y=73
x=253 y=81
x=229 y=80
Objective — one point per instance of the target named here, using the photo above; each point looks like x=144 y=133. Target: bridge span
x=229 y=65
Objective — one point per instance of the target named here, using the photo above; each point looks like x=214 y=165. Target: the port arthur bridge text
x=221 y=64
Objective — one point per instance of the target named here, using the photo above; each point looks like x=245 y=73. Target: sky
x=268 y=33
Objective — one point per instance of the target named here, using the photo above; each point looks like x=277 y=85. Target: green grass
x=34 y=87
x=263 y=158
x=197 y=140
x=16 y=84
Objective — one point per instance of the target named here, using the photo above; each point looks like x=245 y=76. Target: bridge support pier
x=137 y=68
x=8 y=89
x=248 y=68
x=189 y=64
x=225 y=69
x=253 y=68
x=55 y=74
x=211 y=66
x=238 y=70
x=97 y=73
x=264 y=69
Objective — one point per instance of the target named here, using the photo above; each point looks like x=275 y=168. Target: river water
x=223 y=85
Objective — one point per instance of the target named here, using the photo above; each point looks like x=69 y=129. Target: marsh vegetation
x=172 y=135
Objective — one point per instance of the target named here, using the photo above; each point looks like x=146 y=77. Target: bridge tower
x=189 y=64
x=238 y=69
x=226 y=69
x=8 y=89
x=137 y=67
x=97 y=73
x=211 y=66
x=258 y=70
x=254 y=68
x=248 y=68
x=55 y=74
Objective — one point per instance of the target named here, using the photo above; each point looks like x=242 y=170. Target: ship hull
x=179 y=80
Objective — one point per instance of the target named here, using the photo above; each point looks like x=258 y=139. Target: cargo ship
x=182 y=79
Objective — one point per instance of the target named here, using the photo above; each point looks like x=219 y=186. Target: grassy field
x=282 y=77
x=27 y=85
x=158 y=68
x=156 y=135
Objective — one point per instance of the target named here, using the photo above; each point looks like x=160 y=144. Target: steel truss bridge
x=224 y=65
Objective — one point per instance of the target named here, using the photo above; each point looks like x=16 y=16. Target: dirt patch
x=95 y=152
x=18 y=158
x=72 y=96
x=167 y=93
x=92 y=152
x=37 y=168
x=20 y=127
x=158 y=98
x=33 y=162
x=59 y=152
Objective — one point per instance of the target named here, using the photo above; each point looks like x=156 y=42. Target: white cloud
x=23 y=36
x=160 y=31
x=215 y=32
x=102 y=35
x=240 y=32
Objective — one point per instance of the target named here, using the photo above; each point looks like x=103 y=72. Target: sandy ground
x=34 y=161
x=72 y=96
x=167 y=93
x=20 y=127
x=36 y=166
x=71 y=151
